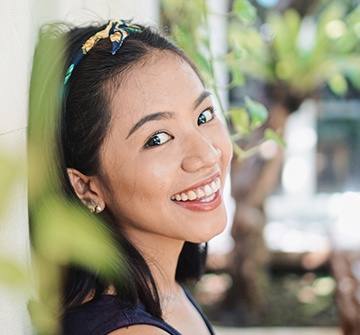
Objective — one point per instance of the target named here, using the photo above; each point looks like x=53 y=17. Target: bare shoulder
x=139 y=330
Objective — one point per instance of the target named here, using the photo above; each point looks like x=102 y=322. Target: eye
x=207 y=115
x=157 y=139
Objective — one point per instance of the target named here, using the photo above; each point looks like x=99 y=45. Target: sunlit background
x=297 y=232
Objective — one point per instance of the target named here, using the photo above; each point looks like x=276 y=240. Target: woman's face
x=166 y=155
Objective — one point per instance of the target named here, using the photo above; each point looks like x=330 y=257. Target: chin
x=215 y=229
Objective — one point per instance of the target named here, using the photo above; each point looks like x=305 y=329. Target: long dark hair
x=84 y=117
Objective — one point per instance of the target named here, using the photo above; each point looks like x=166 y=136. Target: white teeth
x=184 y=197
x=208 y=199
x=200 y=193
x=192 y=195
x=214 y=187
x=207 y=191
x=218 y=182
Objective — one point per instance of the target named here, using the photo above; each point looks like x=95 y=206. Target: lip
x=198 y=206
x=202 y=183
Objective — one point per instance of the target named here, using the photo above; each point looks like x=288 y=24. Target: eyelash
x=155 y=136
x=212 y=112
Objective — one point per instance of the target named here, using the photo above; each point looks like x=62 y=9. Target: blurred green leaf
x=12 y=274
x=257 y=111
x=240 y=120
x=355 y=79
x=238 y=78
x=10 y=168
x=66 y=234
x=273 y=136
x=44 y=315
x=288 y=57
x=338 y=84
x=234 y=61
x=202 y=62
x=244 y=10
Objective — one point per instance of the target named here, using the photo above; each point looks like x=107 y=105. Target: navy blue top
x=106 y=314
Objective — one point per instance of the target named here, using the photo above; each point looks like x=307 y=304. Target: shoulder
x=139 y=330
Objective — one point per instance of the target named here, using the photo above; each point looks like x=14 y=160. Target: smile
x=204 y=193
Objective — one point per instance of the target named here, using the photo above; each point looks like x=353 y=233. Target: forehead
x=161 y=83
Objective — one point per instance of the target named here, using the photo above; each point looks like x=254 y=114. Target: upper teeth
x=200 y=192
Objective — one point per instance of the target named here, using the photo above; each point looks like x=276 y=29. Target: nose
x=200 y=153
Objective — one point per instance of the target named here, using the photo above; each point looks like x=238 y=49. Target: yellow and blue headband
x=117 y=30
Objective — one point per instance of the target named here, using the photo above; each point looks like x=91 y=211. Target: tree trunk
x=345 y=266
x=253 y=180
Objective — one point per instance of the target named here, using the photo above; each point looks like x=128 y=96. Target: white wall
x=20 y=20
x=14 y=71
x=80 y=11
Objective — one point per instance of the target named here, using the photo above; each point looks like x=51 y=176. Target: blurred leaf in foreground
x=9 y=170
x=12 y=274
x=66 y=234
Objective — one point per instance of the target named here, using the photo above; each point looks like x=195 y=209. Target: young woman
x=141 y=147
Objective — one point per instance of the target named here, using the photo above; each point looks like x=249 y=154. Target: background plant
x=289 y=55
x=189 y=25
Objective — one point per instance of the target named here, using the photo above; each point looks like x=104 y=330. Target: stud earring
x=96 y=209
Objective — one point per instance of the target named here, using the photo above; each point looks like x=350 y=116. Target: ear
x=88 y=190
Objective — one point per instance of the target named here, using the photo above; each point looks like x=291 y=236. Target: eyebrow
x=164 y=115
x=148 y=118
x=201 y=98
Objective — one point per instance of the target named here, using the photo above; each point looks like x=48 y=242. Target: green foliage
x=258 y=113
x=65 y=234
x=249 y=117
x=338 y=84
x=61 y=233
x=192 y=33
x=234 y=60
x=244 y=10
x=271 y=135
x=10 y=168
x=13 y=274
x=303 y=54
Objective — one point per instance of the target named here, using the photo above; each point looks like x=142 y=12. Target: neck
x=161 y=254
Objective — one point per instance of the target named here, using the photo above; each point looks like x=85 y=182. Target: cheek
x=120 y=173
x=225 y=145
x=157 y=174
x=142 y=180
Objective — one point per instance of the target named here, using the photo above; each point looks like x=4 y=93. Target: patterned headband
x=117 y=30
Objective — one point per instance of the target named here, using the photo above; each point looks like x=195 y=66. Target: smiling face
x=166 y=155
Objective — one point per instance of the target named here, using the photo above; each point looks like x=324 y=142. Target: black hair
x=83 y=118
